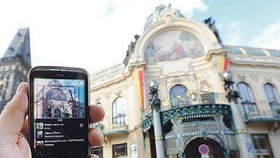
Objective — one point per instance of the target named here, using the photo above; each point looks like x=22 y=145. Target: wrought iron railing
x=252 y=114
x=262 y=116
x=203 y=98
x=275 y=108
x=120 y=119
x=115 y=129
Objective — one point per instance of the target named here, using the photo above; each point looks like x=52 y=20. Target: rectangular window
x=97 y=151
x=119 y=150
x=262 y=146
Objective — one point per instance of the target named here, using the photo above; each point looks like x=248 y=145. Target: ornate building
x=197 y=116
x=14 y=66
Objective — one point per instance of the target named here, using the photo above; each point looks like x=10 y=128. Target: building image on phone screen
x=59 y=98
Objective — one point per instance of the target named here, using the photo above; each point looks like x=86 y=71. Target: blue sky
x=95 y=34
x=245 y=19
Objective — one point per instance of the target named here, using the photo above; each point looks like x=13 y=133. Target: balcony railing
x=262 y=116
x=202 y=98
x=252 y=114
x=115 y=129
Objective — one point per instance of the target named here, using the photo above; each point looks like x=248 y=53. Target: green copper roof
x=251 y=51
x=158 y=13
x=233 y=50
x=275 y=53
x=254 y=51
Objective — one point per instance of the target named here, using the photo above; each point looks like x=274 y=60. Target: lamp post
x=155 y=104
x=243 y=139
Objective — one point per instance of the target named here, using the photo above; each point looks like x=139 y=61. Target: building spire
x=20 y=46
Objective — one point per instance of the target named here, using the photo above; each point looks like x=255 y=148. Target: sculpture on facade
x=155 y=102
x=211 y=23
x=130 y=49
x=231 y=94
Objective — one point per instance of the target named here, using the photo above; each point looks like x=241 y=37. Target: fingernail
x=19 y=87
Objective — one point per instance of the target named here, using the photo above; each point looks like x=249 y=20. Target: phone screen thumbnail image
x=59 y=98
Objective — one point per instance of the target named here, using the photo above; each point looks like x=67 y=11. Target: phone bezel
x=57 y=73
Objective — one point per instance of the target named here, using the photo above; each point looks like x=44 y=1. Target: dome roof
x=160 y=12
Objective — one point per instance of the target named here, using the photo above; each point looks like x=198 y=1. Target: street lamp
x=228 y=86
x=242 y=139
x=155 y=104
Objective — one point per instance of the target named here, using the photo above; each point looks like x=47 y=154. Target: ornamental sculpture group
x=155 y=102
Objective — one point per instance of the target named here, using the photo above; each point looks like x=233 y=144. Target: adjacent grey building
x=14 y=65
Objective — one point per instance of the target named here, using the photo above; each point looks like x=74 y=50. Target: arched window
x=247 y=98
x=272 y=97
x=119 y=111
x=178 y=95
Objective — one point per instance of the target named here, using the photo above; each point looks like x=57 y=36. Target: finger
x=95 y=137
x=96 y=113
x=24 y=129
x=13 y=115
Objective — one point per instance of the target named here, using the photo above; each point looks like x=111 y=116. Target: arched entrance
x=215 y=149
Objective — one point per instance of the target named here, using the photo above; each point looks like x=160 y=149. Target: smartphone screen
x=59 y=113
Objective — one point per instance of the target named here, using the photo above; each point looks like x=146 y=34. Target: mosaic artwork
x=63 y=98
x=173 y=45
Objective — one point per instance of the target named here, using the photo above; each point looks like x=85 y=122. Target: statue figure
x=229 y=89
x=210 y=22
x=155 y=102
x=130 y=49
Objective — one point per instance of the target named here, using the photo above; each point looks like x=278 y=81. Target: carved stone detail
x=205 y=86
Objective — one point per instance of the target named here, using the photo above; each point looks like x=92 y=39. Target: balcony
x=252 y=114
x=203 y=98
x=115 y=129
x=204 y=104
x=262 y=116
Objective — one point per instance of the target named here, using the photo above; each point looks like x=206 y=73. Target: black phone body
x=58 y=112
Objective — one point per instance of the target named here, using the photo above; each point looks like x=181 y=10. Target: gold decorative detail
x=241 y=131
x=158 y=138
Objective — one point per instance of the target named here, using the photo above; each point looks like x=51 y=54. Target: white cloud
x=188 y=7
x=109 y=9
x=268 y=38
x=89 y=34
x=233 y=30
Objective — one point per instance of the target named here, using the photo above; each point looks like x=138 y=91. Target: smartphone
x=58 y=112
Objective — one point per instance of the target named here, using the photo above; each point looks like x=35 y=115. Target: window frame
x=119 y=118
x=97 y=149
x=249 y=105
x=273 y=101
x=261 y=151
x=172 y=96
x=119 y=146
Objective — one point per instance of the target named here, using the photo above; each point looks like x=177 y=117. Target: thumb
x=13 y=115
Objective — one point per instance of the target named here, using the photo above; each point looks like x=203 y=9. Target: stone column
x=243 y=139
x=160 y=150
x=155 y=104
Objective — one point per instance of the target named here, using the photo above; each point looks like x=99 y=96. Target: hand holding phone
x=58 y=112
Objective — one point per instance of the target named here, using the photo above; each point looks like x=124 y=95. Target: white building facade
x=185 y=58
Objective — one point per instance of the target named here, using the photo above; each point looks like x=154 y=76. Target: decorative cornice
x=215 y=52
x=255 y=63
